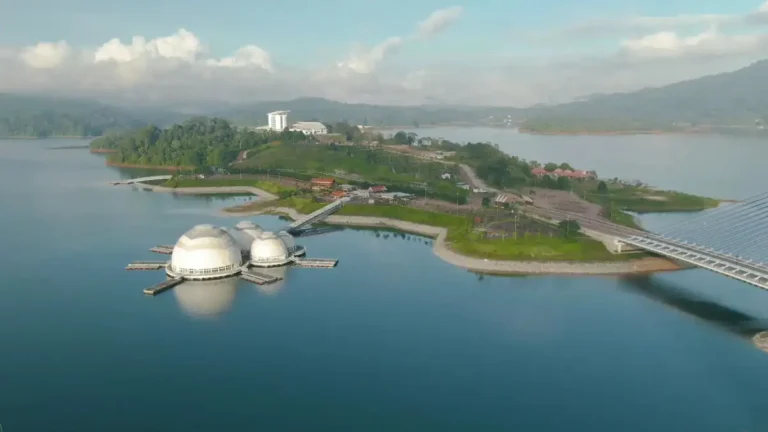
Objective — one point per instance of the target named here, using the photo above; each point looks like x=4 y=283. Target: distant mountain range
x=324 y=110
x=737 y=98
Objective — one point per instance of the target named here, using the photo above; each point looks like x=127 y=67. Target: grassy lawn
x=644 y=199
x=368 y=164
x=536 y=249
x=270 y=187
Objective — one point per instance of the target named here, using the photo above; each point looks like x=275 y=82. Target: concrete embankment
x=262 y=194
x=442 y=250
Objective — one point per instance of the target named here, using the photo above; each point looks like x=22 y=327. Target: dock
x=162 y=249
x=163 y=286
x=258 y=278
x=316 y=262
x=146 y=265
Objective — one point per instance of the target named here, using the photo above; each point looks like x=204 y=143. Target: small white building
x=310 y=128
x=278 y=120
x=445 y=176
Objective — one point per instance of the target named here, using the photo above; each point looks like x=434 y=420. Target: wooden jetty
x=316 y=262
x=163 y=286
x=162 y=249
x=146 y=265
x=258 y=278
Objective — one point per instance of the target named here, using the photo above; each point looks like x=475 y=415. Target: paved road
x=599 y=225
x=475 y=181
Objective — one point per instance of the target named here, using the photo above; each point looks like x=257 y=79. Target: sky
x=502 y=52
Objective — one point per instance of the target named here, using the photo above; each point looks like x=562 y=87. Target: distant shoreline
x=612 y=133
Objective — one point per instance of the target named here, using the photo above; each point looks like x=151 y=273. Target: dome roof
x=205 y=252
x=269 y=249
x=288 y=239
x=206 y=299
x=244 y=233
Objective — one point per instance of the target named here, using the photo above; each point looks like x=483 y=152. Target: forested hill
x=37 y=116
x=198 y=142
x=328 y=111
x=736 y=98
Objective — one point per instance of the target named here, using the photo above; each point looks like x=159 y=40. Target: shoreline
x=263 y=195
x=480 y=265
x=141 y=166
x=611 y=133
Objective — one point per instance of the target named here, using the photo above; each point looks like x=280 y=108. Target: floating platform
x=162 y=249
x=163 y=286
x=258 y=278
x=146 y=265
x=316 y=262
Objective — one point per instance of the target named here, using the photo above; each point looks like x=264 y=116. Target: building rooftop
x=309 y=125
x=278 y=112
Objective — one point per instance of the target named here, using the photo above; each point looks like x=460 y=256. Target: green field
x=464 y=240
x=640 y=199
x=270 y=187
x=354 y=162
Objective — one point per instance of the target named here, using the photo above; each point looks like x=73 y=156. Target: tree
x=602 y=187
x=551 y=166
x=486 y=202
x=563 y=183
x=569 y=228
x=402 y=138
x=565 y=166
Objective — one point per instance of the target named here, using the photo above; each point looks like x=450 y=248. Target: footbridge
x=141 y=179
x=731 y=240
x=317 y=215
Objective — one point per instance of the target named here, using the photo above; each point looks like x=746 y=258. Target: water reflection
x=734 y=321
x=273 y=288
x=207 y=299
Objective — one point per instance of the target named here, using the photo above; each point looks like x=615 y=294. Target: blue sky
x=489 y=39
x=298 y=31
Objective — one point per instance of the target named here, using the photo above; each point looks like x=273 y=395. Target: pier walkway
x=258 y=278
x=141 y=180
x=163 y=286
x=146 y=265
x=316 y=262
x=317 y=215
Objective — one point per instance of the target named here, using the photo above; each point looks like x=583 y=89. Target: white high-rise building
x=278 y=120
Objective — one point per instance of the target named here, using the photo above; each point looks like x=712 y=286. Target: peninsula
x=488 y=211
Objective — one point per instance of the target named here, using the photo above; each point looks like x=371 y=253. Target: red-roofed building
x=323 y=183
x=377 y=189
x=337 y=194
x=539 y=171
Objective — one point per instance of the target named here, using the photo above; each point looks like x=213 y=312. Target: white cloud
x=439 y=20
x=247 y=56
x=709 y=43
x=365 y=61
x=183 y=45
x=45 y=55
x=178 y=69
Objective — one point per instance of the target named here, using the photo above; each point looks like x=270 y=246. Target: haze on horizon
x=397 y=52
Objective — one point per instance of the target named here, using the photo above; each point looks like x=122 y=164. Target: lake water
x=391 y=339
x=719 y=166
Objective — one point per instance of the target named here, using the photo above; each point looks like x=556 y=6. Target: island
x=487 y=211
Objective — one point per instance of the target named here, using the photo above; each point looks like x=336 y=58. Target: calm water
x=392 y=339
x=714 y=165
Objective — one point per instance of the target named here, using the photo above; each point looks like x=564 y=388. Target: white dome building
x=269 y=250
x=205 y=252
x=290 y=243
x=245 y=232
